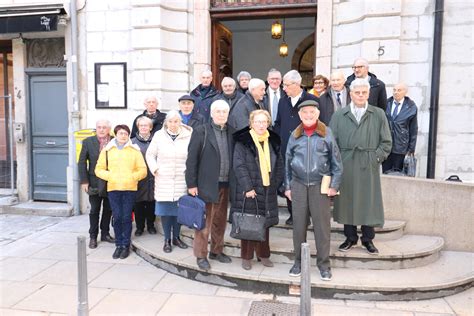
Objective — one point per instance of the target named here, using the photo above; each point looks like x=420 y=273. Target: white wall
x=255 y=51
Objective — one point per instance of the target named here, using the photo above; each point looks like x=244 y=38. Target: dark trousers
x=261 y=248
x=170 y=223
x=144 y=211
x=350 y=231
x=96 y=201
x=122 y=205
x=289 y=204
x=393 y=162
x=308 y=200
x=216 y=215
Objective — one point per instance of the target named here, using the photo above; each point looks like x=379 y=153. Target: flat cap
x=186 y=97
x=308 y=103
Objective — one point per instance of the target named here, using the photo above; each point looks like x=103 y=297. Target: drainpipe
x=434 y=96
x=74 y=119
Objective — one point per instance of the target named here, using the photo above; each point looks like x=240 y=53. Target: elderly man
x=303 y=178
x=402 y=119
x=363 y=136
x=208 y=169
x=336 y=97
x=229 y=92
x=252 y=100
x=152 y=112
x=187 y=113
x=96 y=188
x=203 y=94
x=243 y=78
x=287 y=117
x=378 y=95
x=274 y=92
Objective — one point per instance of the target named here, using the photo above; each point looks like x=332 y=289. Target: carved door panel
x=221 y=53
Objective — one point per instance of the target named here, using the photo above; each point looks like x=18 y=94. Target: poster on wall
x=110 y=85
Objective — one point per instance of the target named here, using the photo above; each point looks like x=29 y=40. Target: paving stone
x=123 y=302
x=103 y=253
x=59 y=252
x=462 y=303
x=330 y=310
x=65 y=238
x=21 y=248
x=21 y=269
x=171 y=283
x=59 y=299
x=16 y=312
x=12 y=292
x=428 y=306
x=182 y=304
x=65 y=272
x=129 y=277
x=228 y=292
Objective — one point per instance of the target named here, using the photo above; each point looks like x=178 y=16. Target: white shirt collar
x=294 y=100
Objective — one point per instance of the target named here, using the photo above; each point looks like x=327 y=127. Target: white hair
x=171 y=115
x=359 y=82
x=245 y=74
x=255 y=83
x=107 y=122
x=362 y=61
x=293 y=76
x=146 y=119
x=337 y=73
x=206 y=72
x=229 y=79
x=219 y=104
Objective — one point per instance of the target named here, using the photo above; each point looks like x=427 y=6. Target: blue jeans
x=170 y=222
x=122 y=203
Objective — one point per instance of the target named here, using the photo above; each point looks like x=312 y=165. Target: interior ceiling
x=265 y=24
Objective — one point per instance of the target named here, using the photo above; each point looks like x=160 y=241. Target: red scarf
x=309 y=130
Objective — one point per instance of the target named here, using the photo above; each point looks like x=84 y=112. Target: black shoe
x=125 y=252
x=152 y=230
x=289 y=221
x=117 y=252
x=345 y=246
x=139 y=232
x=167 y=246
x=325 y=275
x=107 y=238
x=295 y=270
x=93 y=243
x=203 y=264
x=369 y=245
x=221 y=257
x=178 y=242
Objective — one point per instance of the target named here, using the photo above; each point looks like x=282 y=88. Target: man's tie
x=395 y=111
x=338 y=98
x=274 y=107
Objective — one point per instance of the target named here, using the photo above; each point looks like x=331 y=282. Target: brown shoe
x=93 y=243
x=246 y=264
x=266 y=262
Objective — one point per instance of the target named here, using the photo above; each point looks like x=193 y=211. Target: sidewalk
x=38 y=276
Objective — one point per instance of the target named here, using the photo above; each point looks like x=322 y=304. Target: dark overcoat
x=363 y=147
x=146 y=187
x=377 y=93
x=246 y=168
x=404 y=126
x=86 y=165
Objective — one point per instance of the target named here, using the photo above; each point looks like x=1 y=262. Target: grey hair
x=171 y=115
x=229 y=79
x=107 y=122
x=359 y=82
x=255 y=83
x=219 y=104
x=245 y=74
x=293 y=76
x=206 y=72
x=338 y=73
x=273 y=70
x=146 y=119
x=363 y=61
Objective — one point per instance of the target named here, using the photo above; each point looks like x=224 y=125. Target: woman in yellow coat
x=121 y=164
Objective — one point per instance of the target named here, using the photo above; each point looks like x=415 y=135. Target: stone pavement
x=38 y=276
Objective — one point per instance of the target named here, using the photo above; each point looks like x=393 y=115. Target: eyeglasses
x=360 y=92
x=260 y=122
x=357 y=67
x=319 y=82
x=288 y=84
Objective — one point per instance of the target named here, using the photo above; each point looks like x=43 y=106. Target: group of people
x=245 y=145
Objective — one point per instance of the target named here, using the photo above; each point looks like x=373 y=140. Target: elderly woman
x=121 y=164
x=166 y=158
x=258 y=168
x=320 y=85
x=145 y=202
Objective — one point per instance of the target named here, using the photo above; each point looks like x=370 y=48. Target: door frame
x=30 y=72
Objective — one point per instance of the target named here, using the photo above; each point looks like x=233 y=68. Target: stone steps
x=406 y=252
x=450 y=274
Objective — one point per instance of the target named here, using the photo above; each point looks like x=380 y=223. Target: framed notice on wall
x=110 y=85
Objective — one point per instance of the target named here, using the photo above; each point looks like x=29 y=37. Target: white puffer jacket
x=167 y=161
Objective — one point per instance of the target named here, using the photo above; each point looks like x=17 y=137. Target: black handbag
x=248 y=226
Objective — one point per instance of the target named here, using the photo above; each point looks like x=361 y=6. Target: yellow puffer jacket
x=126 y=166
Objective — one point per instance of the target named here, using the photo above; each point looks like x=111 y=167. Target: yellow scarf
x=263 y=155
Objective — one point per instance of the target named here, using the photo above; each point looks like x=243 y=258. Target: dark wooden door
x=221 y=53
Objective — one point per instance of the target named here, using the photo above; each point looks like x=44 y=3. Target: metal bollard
x=305 y=296
x=83 y=301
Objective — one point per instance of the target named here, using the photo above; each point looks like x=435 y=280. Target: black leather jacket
x=309 y=158
x=404 y=127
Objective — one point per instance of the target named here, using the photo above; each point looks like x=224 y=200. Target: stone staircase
x=409 y=267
